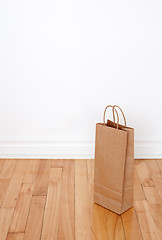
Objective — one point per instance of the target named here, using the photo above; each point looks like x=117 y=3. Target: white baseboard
x=146 y=148
x=46 y=147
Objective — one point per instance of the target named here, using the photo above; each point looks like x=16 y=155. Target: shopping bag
x=114 y=164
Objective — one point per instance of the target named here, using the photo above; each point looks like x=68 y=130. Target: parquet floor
x=53 y=199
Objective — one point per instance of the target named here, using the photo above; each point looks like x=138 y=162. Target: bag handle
x=116 y=106
x=113 y=115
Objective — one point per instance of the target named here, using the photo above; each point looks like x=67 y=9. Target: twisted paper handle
x=113 y=115
x=116 y=106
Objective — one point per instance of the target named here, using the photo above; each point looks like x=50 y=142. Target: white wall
x=62 y=62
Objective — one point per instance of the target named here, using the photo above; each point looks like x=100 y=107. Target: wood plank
x=52 y=209
x=131 y=225
x=159 y=162
x=146 y=221
x=155 y=206
x=77 y=195
x=31 y=170
x=82 y=214
x=152 y=195
x=158 y=184
x=20 y=215
x=107 y=225
x=143 y=173
x=42 y=178
x=15 y=236
x=5 y=219
x=35 y=219
x=2 y=162
x=8 y=168
x=66 y=221
x=99 y=227
x=12 y=193
x=90 y=172
x=114 y=226
x=153 y=168
x=4 y=183
x=20 y=169
x=138 y=190
x=57 y=163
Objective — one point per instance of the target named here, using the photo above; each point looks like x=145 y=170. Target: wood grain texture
x=99 y=227
x=3 y=188
x=52 y=209
x=21 y=211
x=146 y=221
x=155 y=170
x=158 y=184
x=107 y=225
x=2 y=162
x=155 y=207
x=90 y=179
x=44 y=199
x=57 y=163
x=31 y=171
x=8 y=168
x=35 y=219
x=138 y=190
x=159 y=163
x=42 y=178
x=5 y=219
x=12 y=193
x=114 y=226
x=66 y=220
x=15 y=236
x=143 y=173
x=131 y=225
x=82 y=214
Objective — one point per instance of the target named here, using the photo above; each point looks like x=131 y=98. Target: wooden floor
x=53 y=199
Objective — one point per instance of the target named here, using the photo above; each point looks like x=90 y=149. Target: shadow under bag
x=114 y=164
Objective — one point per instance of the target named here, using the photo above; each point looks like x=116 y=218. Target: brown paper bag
x=114 y=163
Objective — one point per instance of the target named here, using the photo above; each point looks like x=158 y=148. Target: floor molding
x=68 y=148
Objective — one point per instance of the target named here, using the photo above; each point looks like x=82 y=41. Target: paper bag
x=114 y=163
